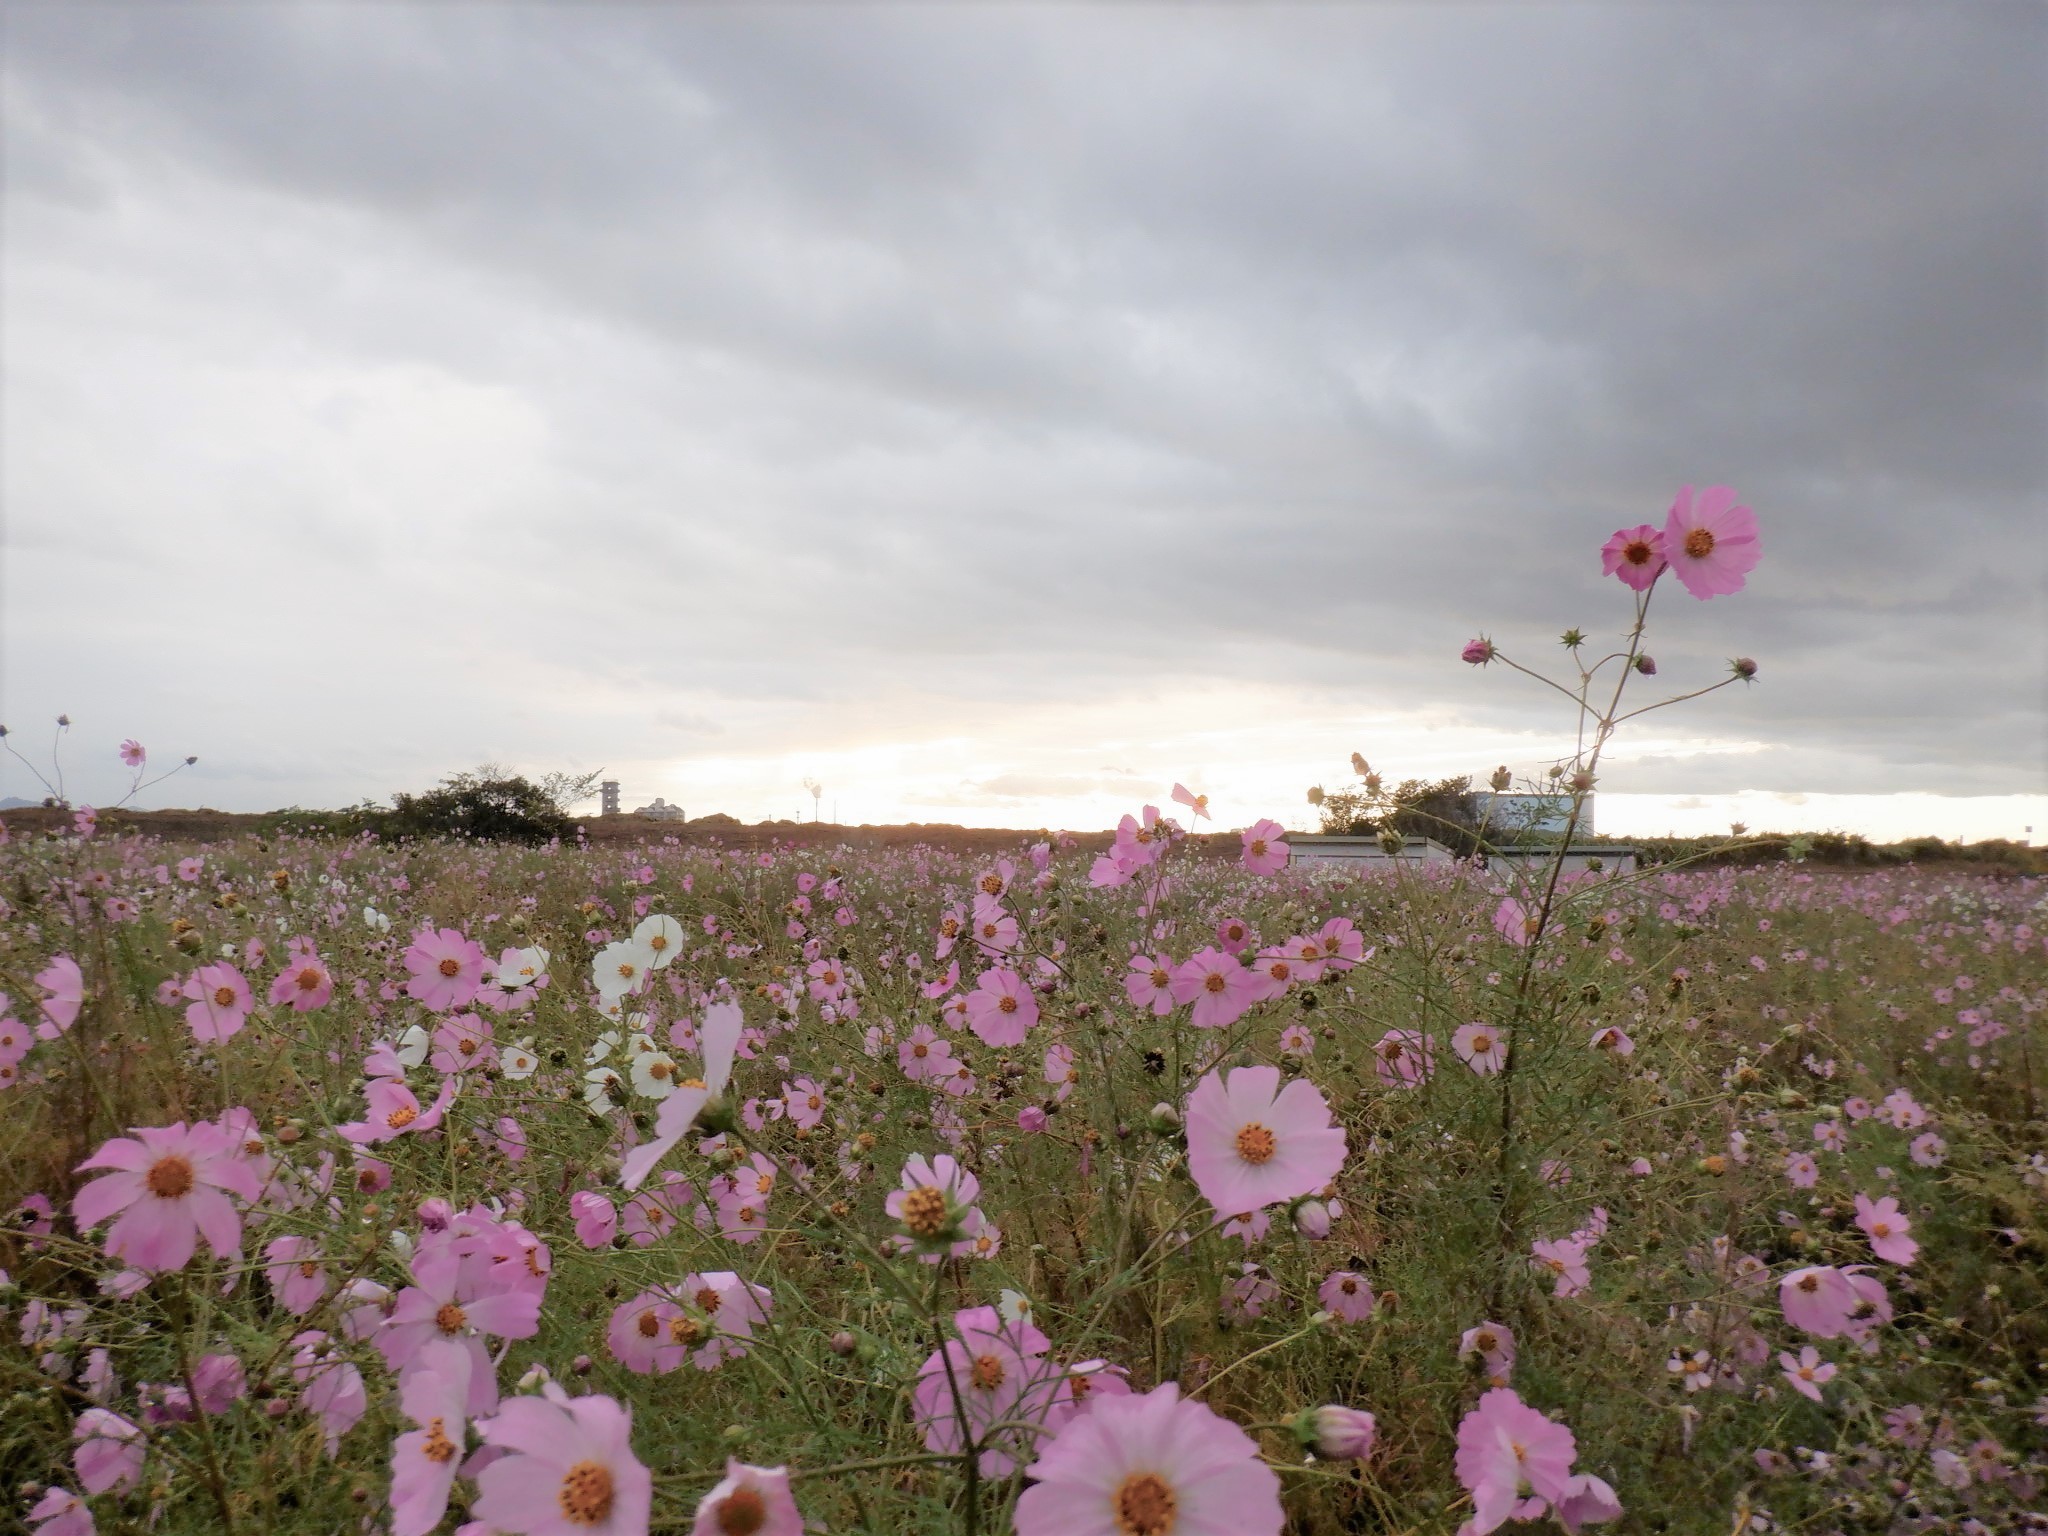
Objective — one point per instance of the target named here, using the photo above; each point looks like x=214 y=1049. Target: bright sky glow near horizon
x=998 y=414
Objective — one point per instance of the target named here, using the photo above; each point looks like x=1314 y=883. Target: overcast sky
x=998 y=413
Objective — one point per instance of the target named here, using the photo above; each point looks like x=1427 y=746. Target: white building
x=661 y=810
x=1512 y=817
x=1338 y=848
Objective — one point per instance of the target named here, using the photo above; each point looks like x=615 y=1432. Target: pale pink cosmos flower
x=394 y=1110
x=1480 y=1047
x=1818 y=1300
x=1494 y=1347
x=109 y=1452
x=330 y=1386
x=569 y=1471
x=752 y=1501
x=1199 y=804
x=995 y=1371
x=1148 y=1465
x=303 y=985
x=1887 y=1226
x=220 y=1002
x=1566 y=1260
x=433 y=1393
x=1253 y=1143
x=1508 y=1452
x=720 y=1310
x=1929 y=1150
x=1347 y=1295
x=1404 y=1058
x=1515 y=922
x=1265 y=848
x=132 y=753
x=1001 y=1009
x=1271 y=973
x=1801 y=1170
x=1636 y=555
x=60 y=1512
x=296 y=1277
x=458 y=1303
x=62 y=979
x=1588 y=1500
x=447 y=968
x=1713 y=545
x=170 y=1186
x=1149 y=983
x=1806 y=1373
x=1219 y=988
x=934 y=1202
x=723 y=1025
x=638 y=1334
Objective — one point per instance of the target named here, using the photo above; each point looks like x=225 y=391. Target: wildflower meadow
x=1176 y=1187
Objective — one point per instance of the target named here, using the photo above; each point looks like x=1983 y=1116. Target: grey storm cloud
x=396 y=386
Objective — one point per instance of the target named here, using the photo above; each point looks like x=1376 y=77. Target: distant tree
x=1447 y=810
x=487 y=804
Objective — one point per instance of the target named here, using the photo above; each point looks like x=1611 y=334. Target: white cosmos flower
x=654 y=1074
x=661 y=936
x=620 y=968
x=517 y=1060
x=529 y=965
x=721 y=1036
x=413 y=1046
x=1015 y=1307
x=599 y=1085
x=602 y=1047
x=372 y=918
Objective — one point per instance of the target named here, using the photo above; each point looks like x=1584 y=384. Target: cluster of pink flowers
x=1710 y=546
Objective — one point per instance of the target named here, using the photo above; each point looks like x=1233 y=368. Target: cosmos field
x=314 y=1230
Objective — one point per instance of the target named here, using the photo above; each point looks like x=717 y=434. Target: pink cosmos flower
x=994 y=928
x=924 y=1054
x=62 y=980
x=132 y=753
x=1265 y=848
x=1887 y=1227
x=638 y=1334
x=935 y=1205
x=1347 y=1295
x=804 y=1101
x=1149 y=984
x=1807 y=1373
x=305 y=984
x=1253 y=1143
x=462 y=1043
x=449 y=1300
x=394 y=1110
x=1271 y=973
x=1480 y=1047
x=1507 y=1452
x=752 y=1501
x=1801 y=1170
x=1404 y=1058
x=220 y=1002
x=1150 y=1464
x=1928 y=1150
x=1515 y=922
x=1217 y=985
x=569 y=1471
x=1636 y=555
x=296 y=1277
x=168 y=1190
x=719 y=1312
x=1587 y=1500
x=1494 y=1347
x=1199 y=804
x=1818 y=1300
x=723 y=1025
x=1001 y=1009
x=1564 y=1259
x=994 y=1371
x=1711 y=546
x=60 y=1512
x=109 y=1451
x=433 y=1393
x=330 y=1386
x=446 y=967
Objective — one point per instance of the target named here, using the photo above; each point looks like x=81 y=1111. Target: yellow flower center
x=437 y=1446
x=987 y=1374
x=401 y=1117
x=1699 y=543
x=586 y=1496
x=449 y=1318
x=1255 y=1144
x=223 y=997
x=451 y=966
x=924 y=1211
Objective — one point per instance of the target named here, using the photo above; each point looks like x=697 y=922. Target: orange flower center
x=309 y=980
x=649 y=1325
x=451 y=966
x=437 y=1446
x=1145 y=1506
x=1258 y=851
x=586 y=1496
x=401 y=1117
x=223 y=997
x=449 y=1318
x=1006 y=1004
x=685 y=1330
x=1255 y=1144
x=709 y=1300
x=1481 y=1044
x=924 y=1211
x=1699 y=543
x=1215 y=981
x=170 y=1178
x=1637 y=552
x=308 y=1268
x=987 y=1373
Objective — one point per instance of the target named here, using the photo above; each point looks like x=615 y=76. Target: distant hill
x=16 y=803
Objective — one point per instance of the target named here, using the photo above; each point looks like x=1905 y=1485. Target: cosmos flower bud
x=1336 y=1433
x=1312 y=1220
x=1582 y=781
x=1647 y=665
x=1479 y=652
x=1315 y=794
x=844 y=1344
x=1164 y=1120
x=64 y=720
x=1501 y=779
x=1743 y=668
x=1572 y=639
x=1359 y=765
